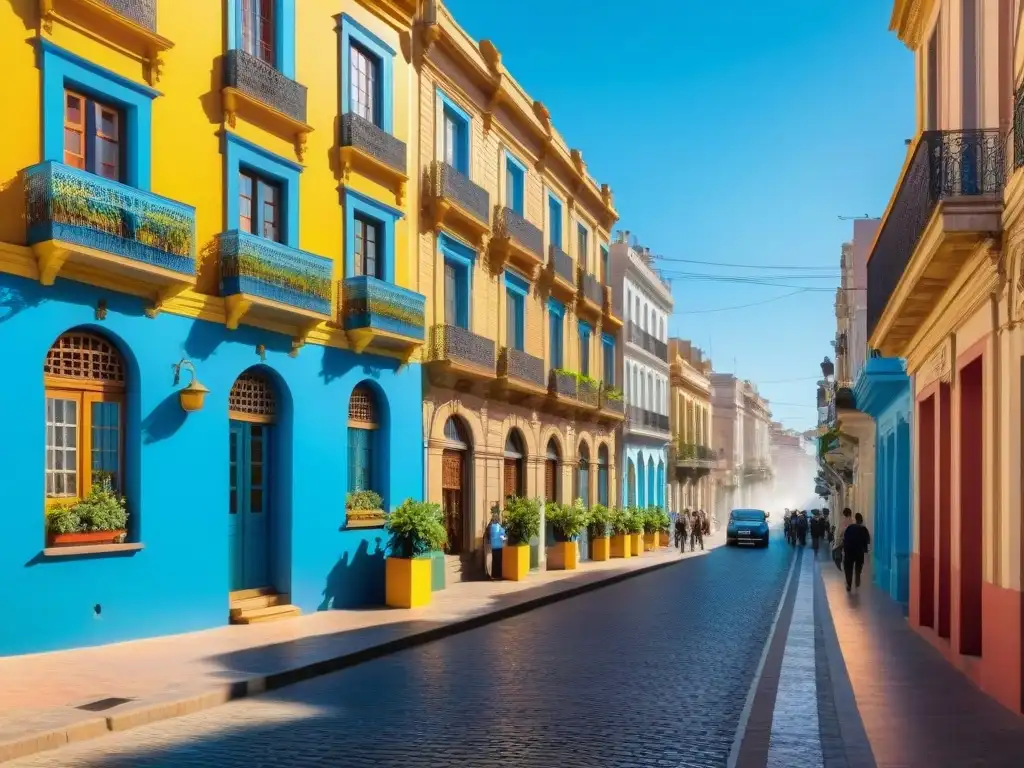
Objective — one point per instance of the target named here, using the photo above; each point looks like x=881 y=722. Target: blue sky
x=730 y=131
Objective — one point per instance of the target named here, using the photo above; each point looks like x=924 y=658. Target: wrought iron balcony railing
x=81 y=208
x=945 y=165
x=360 y=133
x=264 y=83
x=516 y=364
x=693 y=452
x=562 y=384
x=270 y=270
x=141 y=12
x=508 y=223
x=615 y=404
x=561 y=263
x=1017 y=130
x=371 y=303
x=450 y=184
x=646 y=341
x=591 y=288
x=458 y=345
x=588 y=392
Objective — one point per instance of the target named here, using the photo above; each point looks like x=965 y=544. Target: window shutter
x=451 y=315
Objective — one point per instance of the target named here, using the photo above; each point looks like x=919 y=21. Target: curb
x=216 y=695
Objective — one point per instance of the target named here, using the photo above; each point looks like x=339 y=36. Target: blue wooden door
x=249 y=507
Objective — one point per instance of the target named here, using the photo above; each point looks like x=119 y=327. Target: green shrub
x=635 y=520
x=568 y=520
x=521 y=520
x=363 y=501
x=416 y=528
x=600 y=519
x=664 y=521
x=619 y=520
x=63 y=519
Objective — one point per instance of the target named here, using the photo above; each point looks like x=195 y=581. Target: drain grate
x=101 y=705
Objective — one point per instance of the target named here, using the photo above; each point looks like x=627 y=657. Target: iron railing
x=257 y=266
x=358 y=132
x=561 y=263
x=1017 y=130
x=646 y=341
x=516 y=364
x=615 y=404
x=591 y=287
x=508 y=223
x=64 y=203
x=562 y=384
x=641 y=417
x=452 y=185
x=368 y=302
x=945 y=165
x=141 y=12
x=588 y=392
x=265 y=83
x=456 y=344
x=695 y=453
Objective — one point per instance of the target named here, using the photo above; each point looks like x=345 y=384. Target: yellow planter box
x=407 y=582
x=650 y=542
x=663 y=539
x=622 y=545
x=515 y=562
x=636 y=543
x=599 y=548
x=563 y=556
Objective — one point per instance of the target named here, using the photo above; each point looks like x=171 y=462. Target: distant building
x=691 y=454
x=740 y=420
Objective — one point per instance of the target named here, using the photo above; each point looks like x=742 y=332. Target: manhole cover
x=101 y=705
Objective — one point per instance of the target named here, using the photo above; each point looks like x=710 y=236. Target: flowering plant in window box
x=99 y=518
x=364 y=509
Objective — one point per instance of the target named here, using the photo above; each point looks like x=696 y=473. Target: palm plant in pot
x=522 y=523
x=619 y=521
x=100 y=518
x=568 y=521
x=597 y=531
x=416 y=528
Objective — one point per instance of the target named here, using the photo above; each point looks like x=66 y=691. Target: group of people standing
x=850 y=542
x=693 y=525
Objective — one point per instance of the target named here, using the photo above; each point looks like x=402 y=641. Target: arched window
x=514 y=455
x=84 y=377
x=583 y=475
x=602 y=475
x=455 y=433
x=652 y=497
x=552 y=474
x=363 y=440
x=631 y=484
x=641 y=485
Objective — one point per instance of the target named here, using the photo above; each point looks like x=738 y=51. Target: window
x=552 y=471
x=608 y=347
x=515 y=182
x=605 y=267
x=516 y=289
x=554 y=221
x=556 y=313
x=602 y=475
x=514 y=477
x=454 y=135
x=363 y=81
x=92 y=136
x=259 y=206
x=84 y=377
x=363 y=429
x=458 y=261
x=585 y=332
x=581 y=245
x=258 y=29
x=367 y=74
x=583 y=475
x=367 y=237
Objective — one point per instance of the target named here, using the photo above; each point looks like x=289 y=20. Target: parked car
x=747 y=526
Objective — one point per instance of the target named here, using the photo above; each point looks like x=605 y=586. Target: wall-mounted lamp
x=192 y=396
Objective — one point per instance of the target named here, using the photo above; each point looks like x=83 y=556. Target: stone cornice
x=908 y=21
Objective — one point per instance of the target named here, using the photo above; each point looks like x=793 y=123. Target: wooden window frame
x=257 y=220
x=365 y=225
x=91 y=134
x=79 y=128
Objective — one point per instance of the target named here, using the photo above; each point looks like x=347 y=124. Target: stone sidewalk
x=52 y=699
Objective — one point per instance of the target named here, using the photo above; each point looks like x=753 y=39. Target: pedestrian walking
x=681 y=533
x=801 y=528
x=494 y=543
x=856 y=542
x=787 y=525
x=837 y=548
x=817 y=530
x=696 y=533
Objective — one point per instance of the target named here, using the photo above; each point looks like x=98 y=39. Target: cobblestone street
x=652 y=671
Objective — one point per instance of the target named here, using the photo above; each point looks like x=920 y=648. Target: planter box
x=364 y=518
x=636 y=544
x=85 y=539
x=663 y=539
x=563 y=556
x=599 y=548
x=437 y=575
x=650 y=542
x=407 y=581
x=622 y=545
x=515 y=562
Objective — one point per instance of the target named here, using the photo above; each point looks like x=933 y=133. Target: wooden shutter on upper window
x=550 y=471
x=511 y=477
x=74 y=130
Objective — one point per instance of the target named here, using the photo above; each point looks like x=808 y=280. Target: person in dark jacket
x=801 y=528
x=817 y=530
x=696 y=532
x=681 y=532
x=856 y=542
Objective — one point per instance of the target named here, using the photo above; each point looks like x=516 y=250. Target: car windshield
x=748 y=516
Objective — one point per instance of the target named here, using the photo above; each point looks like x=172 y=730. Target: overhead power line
x=743 y=306
x=744 y=266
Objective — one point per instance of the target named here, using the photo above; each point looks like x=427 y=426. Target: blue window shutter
x=555 y=217
x=360 y=459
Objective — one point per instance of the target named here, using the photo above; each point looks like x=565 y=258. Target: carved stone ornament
x=940 y=364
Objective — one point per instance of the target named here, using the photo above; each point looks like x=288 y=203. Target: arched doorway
x=630 y=483
x=641 y=486
x=454 y=483
x=602 y=475
x=583 y=475
x=552 y=471
x=651 y=480
x=515 y=453
x=252 y=410
x=661 y=484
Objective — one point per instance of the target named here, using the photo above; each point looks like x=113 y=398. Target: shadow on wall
x=164 y=420
x=13 y=301
x=357 y=579
x=336 y=363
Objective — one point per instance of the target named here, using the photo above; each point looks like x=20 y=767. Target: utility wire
x=744 y=266
x=742 y=306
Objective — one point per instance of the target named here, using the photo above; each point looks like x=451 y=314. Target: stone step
x=240 y=606
x=245 y=594
x=270 y=613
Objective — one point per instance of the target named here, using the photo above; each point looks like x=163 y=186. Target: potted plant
x=100 y=518
x=364 y=509
x=635 y=524
x=568 y=521
x=416 y=529
x=619 y=523
x=599 y=523
x=651 y=517
x=522 y=523
x=664 y=526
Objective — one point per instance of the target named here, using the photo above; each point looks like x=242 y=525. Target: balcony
x=455 y=202
x=261 y=93
x=590 y=290
x=646 y=341
x=373 y=152
x=520 y=372
x=612 y=405
x=133 y=22
x=694 y=456
x=456 y=355
x=947 y=204
x=588 y=393
x=272 y=281
x=640 y=418
x=516 y=240
x=611 y=321
x=76 y=217
x=561 y=272
x=382 y=314
x=562 y=385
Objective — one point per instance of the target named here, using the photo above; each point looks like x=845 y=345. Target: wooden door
x=249 y=505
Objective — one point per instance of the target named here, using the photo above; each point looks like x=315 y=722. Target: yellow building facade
x=691 y=453
x=944 y=287
x=519 y=390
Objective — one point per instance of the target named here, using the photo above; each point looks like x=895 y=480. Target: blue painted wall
x=883 y=391
x=631 y=451
x=177 y=473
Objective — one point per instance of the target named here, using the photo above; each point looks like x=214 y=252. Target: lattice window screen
x=84 y=356
x=253 y=394
x=451 y=470
x=362 y=406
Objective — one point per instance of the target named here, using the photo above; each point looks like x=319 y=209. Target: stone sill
x=93 y=549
